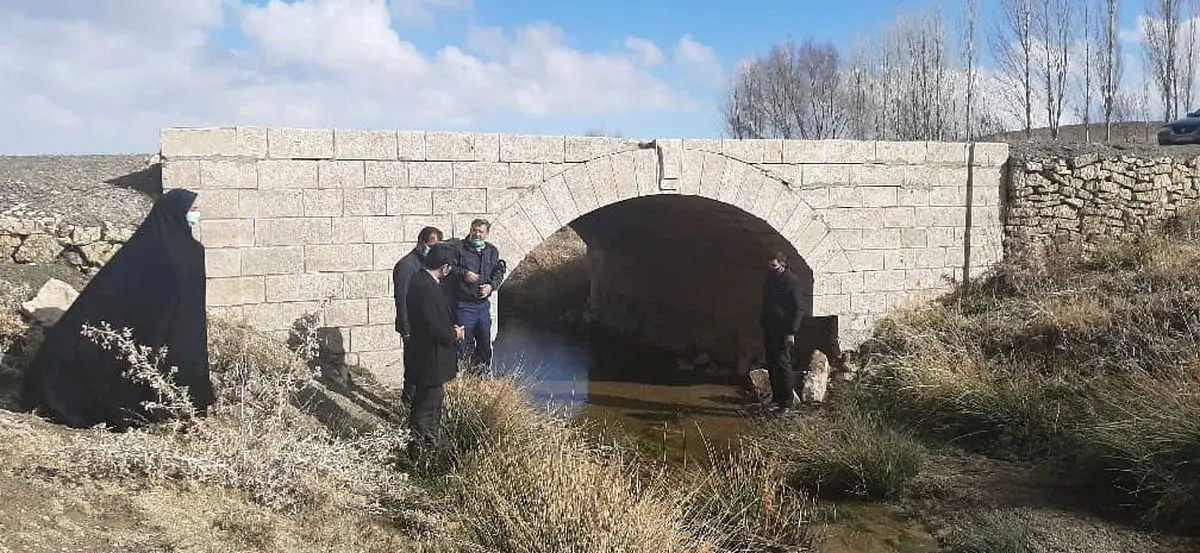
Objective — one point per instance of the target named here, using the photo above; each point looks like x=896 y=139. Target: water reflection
x=605 y=379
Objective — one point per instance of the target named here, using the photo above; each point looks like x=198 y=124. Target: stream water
x=673 y=413
x=612 y=383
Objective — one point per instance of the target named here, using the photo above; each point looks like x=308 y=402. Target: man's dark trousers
x=779 y=366
x=425 y=418
x=476 y=318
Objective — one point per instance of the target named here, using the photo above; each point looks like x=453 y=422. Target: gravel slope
x=79 y=190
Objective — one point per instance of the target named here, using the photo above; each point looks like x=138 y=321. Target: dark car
x=1181 y=131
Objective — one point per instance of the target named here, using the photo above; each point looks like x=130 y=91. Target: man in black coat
x=403 y=272
x=784 y=308
x=478 y=271
x=430 y=353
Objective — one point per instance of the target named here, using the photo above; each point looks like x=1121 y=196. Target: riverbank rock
x=50 y=303
x=816 y=379
x=760 y=384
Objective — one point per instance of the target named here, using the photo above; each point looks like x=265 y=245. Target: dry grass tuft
x=257 y=440
x=1085 y=356
x=11 y=298
x=847 y=452
x=994 y=533
x=744 y=498
x=16 y=339
x=554 y=494
x=522 y=481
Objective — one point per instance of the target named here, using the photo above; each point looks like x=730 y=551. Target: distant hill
x=1135 y=132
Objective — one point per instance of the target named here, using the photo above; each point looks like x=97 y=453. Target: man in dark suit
x=784 y=308
x=431 y=347
x=410 y=266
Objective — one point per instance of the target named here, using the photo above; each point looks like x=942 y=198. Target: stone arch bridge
x=677 y=229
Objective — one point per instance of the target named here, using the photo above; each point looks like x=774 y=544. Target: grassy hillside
x=1131 y=132
x=1091 y=362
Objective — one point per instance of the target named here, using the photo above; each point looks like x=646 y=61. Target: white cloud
x=650 y=53
x=691 y=52
x=106 y=75
x=421 y=11
x=698 y=60
x=339 y=36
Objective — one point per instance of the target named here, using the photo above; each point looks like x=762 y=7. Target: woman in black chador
x=154 y=286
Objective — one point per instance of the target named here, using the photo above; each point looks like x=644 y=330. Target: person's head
x=437 y=261
x=479 y=232
x=777 y=262
x=180 y=206
x=429 y=237
x=193 y=214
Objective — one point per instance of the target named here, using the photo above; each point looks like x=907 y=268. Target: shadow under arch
x=679 y=262
x=684 y=272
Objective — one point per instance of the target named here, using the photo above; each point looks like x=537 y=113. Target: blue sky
x=104 y=76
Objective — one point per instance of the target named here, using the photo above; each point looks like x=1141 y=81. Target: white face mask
x=193 y=218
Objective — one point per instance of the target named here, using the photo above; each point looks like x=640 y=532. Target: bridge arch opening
x=681 y=273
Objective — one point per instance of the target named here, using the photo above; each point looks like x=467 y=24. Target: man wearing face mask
x=402 y=275
x=783 y=311
x=431 y=359
x=478 y=271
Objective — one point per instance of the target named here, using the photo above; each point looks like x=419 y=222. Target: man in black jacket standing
x=403 y=273
x=478 y=271
x=430 y=352
x=783 y=312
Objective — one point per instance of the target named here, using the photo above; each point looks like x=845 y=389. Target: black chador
x=155 y=286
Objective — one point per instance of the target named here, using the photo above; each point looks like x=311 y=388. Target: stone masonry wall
x=36 y=240
x=1086 y=193
x=294 y=216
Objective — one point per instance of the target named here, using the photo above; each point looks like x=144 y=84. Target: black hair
x=438 y=255
x=426 y=232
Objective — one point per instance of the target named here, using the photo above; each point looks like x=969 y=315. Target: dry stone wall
x=294 y=216
x=41 y=241
x=1085 y=193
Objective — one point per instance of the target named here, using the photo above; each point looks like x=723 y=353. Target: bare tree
x=742 y=111
x=1082 y=103
x=917 y=50
x=1161 y=48
x=792 y=92
x=1143 y=103
x=972 y=59
x=1111 y=67
x=1187 y=63
x=1054 y=33
x=861 y=94
x=820 y=67
x=1012 y=45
